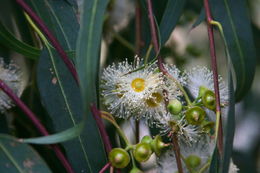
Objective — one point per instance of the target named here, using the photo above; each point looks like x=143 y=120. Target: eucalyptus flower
x=11 y=76
x=203 y=77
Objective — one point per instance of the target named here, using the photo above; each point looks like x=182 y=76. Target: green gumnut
x=208 y=125
x=195 y=115
x=147 y=139
x=136 y=170
x=209 y=100
x=142 y=152
x=157 y=145
x=202 y=91
x=119 y=158
x=174 y=107
x=193 y=161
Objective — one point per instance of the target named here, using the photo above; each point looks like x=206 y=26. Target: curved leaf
x=87 y=64
x=237 y=30
x=60 y=93
x=17 y=157
x=63 y=136
x=170 y=18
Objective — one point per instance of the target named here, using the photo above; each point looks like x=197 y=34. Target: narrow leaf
x=171 y=16
x=63 y=136
x=17 y=157
x=87 y=64
x=232 y=14
x=7 y=39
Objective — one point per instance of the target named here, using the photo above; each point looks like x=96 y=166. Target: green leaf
x=8 y=40
x=17 y=157
x=87 y=63
x=59 y=92
x=229 y=128
x=63 y=136
x=215 y=161
x=232 y=14
x=171 y=16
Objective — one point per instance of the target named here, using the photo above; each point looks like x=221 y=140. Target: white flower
x=203 y=149
x=176 y=74
x=169 y=123
x=232 y=167
x=128 y=90
x=11 y=76
x=202 y=76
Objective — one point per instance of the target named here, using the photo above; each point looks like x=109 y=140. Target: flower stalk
x=215 y=76
x=164 y=71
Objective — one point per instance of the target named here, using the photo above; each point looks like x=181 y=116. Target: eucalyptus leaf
x=87 y=64
x=17 y=157
x=232 y=14
x=171 y=16
x=63 y=136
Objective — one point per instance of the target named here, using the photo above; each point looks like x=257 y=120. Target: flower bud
x=174 y=107
x=195 y=115
x=146 y=139
x=209 y=100
x=119 y=158
x=202 y=91
x=142 y=152
x=193 y=161
x=157 y=145
x=136 y=170
x=207 y=126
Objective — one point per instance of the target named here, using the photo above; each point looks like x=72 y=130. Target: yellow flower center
x=154 y=100
x=138 y=84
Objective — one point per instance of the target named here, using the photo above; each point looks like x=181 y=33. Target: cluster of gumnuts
x=120 y=158
x=195 y=114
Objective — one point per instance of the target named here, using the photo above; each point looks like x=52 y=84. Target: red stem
x=50 y=36
x=97 y=116
x=215 y=71
x=138 y=29
x=177 y=153
x=105 y=168
x=165 y=72
x=36 y=123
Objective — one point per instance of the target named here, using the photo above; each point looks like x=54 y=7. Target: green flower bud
x=119 y=158
x=174 y=107
x=193 y=161
x=195 y=115
x=207 y=126
x=202 y=91
x=157 y=145
x=136 y=170
x=142 y=152
x=209 y=100
x=147 y=139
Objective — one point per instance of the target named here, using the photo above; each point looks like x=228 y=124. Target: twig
x=36 y=123
x=177 y=153
x=105 y=167
x=165 y=72
x=138 y=29
x=215 y=75
x=50 y=36
x=97 y=116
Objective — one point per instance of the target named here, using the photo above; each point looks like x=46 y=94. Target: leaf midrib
x=67 y=104
x=12 y=159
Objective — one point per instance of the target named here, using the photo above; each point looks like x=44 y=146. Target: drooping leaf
x=229 y=128
x=59 y=92
x=59 y=137
x=87 y=63
x=17 y=157
x=171 y=16
x=232 y=14
x=8 y=40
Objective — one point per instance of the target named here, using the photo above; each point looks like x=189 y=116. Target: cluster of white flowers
x=141 y=91
x=10 y=75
